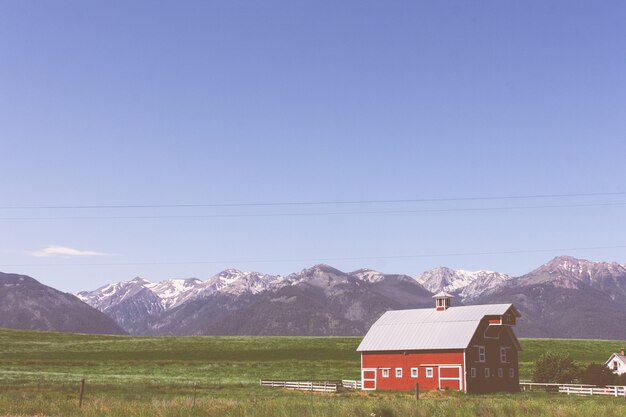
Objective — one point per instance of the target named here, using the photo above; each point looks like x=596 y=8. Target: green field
x=137 y=376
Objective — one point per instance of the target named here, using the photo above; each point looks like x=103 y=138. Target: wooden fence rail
x=351 y=384
x=316 y=386
x=575 y=389
x=614 y=391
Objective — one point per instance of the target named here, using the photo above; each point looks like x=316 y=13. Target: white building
x=617 y=362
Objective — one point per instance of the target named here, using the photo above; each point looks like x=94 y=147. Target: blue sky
x=152 y=103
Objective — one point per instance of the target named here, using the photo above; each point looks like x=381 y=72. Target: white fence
x=316 y=386
x=350 y=384
x=575 y=389
x=615 y=391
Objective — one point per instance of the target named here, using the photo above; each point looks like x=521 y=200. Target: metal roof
x=428 y=328
x=443 y=294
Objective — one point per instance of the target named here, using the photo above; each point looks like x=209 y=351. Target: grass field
x=137 y=376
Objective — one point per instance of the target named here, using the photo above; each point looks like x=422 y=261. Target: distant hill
x=29 y=305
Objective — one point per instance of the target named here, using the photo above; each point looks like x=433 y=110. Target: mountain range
x=566 y=297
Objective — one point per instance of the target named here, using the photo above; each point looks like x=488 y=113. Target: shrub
x=620 y=379
x=597 y=374
x=555 y=367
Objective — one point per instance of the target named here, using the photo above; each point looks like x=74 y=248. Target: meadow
x=189 y=376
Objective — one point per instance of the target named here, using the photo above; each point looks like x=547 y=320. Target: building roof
x=443 y=294
x=617 y=356
x=427 y=328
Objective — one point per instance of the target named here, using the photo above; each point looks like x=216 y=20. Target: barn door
x=450 y=377
x=368 y=378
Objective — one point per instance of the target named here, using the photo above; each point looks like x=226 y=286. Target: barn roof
x=428 y=328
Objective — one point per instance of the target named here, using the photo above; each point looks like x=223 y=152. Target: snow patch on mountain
x=467 y=285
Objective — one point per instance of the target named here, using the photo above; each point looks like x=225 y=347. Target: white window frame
x=385 y=373
x=482 y=355
x=472 y=372
x=429 y=373
x=511 y=372
x=398 y=372
x=487 y=373
x=414 y=372
x=500 y=373
x=504 y=355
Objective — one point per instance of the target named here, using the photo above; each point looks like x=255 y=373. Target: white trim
x=505 y=350
x=484 y=354
x=440 y=364
x=500 y=373
x=497 y=337
x=416 y=372
x=363 y=370
x=464 y=372
x=459 y=378
x=472 y=372
x=399 y=370
x=432 y=373
x=383 y=371
x=487 y=372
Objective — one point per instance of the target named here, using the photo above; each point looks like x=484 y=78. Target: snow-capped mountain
x=566 y=297
x=235 y=282
x=573 y=273
x=173 y=292
x=137 y=303
x=468 y=285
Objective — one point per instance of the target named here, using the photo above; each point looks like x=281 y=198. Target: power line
x=310 y=203
x=333 y=213
x=349 y=258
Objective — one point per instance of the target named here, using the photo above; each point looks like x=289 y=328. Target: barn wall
x=408 y=360
x=481 y=383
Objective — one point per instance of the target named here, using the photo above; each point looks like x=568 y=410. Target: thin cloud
x=65 y=252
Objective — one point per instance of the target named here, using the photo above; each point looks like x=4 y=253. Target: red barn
x=467 y=348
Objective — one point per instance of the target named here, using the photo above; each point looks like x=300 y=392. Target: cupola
x=442 y=300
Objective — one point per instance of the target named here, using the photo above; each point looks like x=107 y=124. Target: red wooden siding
x=421 y=360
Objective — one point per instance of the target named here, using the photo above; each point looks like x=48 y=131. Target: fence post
x=417 y=391
x=82 y=390
x=195 y=387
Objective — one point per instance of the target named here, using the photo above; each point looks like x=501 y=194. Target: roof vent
x=442 y=301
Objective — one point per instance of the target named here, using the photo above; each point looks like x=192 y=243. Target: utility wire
x=349 y=258
x=309 y=203
x=332 y=213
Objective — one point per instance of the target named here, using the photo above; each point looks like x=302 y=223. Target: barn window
x=398 y=372
x=500 y=373
x=385 y=373
x=413 y=372
x=429 y=372
x=504 y=355
x=473 y=372
x=487 y=373
x=481 y=353
x=511 y=372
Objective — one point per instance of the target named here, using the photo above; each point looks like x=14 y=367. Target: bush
x=555 y=367
x=620 y=379
x=597 y=374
